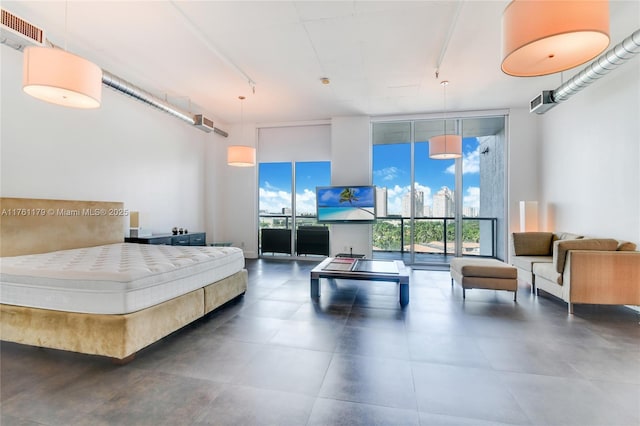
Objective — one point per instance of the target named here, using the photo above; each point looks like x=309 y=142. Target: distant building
x=443 y=203
x=470 y=212
x=381 y=201
x=419 y=204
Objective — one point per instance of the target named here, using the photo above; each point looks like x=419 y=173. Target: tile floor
x=353 y=358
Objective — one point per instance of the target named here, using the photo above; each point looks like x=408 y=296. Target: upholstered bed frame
x=29 y=226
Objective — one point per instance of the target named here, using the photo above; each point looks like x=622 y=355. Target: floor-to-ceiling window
x=430 y=210
x=285 y=189
x=292 y=161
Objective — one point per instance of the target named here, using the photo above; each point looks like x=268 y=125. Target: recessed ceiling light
x=325 y=80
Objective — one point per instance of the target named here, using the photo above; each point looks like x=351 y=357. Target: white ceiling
x=381 y=56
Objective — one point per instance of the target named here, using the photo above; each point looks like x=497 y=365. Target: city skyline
x=391 y=170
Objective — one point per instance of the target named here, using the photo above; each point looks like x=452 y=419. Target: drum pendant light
x=62 y=78
x=546 y=37
x=239 y=155
x=445 y=146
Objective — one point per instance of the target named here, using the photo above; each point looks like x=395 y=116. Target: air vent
x=203 y=123
x=18 y=33
x=542 y=103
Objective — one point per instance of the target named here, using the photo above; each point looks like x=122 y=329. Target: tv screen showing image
x=346 y=204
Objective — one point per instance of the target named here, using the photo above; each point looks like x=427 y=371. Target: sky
x=391 y=169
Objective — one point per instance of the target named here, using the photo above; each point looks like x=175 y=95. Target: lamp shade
x=445 y=147
x=241 y=156
x=60 y=77
x=541 y=37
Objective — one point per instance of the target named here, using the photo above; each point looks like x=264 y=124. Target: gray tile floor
x=353 y=358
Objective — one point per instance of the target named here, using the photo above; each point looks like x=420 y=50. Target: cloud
x=274 y=201
x=472 y=197
x=388 y=173
x=306 y=202
x=268 y=185
x=470 y=163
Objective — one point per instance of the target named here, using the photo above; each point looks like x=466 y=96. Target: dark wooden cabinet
x=276 y=240
x=312 y=240
x=193 y=239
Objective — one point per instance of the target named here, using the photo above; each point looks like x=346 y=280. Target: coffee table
x=362 y=269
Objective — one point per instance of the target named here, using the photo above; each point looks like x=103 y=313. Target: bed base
x=115 y=336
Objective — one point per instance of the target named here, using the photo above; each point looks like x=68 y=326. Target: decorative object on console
x=174 y=230
x=546 y=37
x=445 y=146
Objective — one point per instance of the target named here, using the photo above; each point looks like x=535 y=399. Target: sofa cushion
x=532 y=243
x=548 y=272
x=569 y=236
x=626 y=246
x=482 y=267
x=526 y=262
x=561 y=247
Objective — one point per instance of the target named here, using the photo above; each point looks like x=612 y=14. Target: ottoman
x=489 y=274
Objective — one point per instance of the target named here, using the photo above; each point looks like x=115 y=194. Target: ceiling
x=380 y=56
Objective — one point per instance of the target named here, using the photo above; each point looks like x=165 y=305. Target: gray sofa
x=578 y=269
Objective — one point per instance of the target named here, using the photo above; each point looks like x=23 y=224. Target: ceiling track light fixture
x=445 y=146
x=240 y=155
x=546 y=37
x=59 y=77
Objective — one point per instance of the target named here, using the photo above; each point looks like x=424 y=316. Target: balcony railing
x=432 y=235
x=436 y=235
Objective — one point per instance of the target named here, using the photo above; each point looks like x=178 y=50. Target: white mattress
x=113 y=279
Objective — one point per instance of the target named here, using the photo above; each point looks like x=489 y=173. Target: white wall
x=523 y=164
x=124 y=151
x=232 y=208
x=590 y=151
x=351 y=157
x=590 y=159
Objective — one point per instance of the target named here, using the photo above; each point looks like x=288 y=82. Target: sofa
x=578 y=269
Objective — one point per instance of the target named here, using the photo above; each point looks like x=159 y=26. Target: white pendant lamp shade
x=241 y=156
x=445 y=147
x=544 y=37
x=57 y=76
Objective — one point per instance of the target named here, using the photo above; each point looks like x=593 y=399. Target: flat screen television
x=346 y=204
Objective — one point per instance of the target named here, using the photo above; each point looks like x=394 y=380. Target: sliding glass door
x=430 y=210
x=287 y=201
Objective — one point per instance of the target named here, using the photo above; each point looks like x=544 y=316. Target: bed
x=67 y=280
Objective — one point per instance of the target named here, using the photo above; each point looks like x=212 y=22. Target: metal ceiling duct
x=122 y=86
x=606 y=63
x=18 y=33
x=597 y=69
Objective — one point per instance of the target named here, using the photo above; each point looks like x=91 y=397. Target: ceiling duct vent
x=203 y=123
x=18 y=33
x=542 y=103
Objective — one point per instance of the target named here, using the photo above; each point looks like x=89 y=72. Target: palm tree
x=348 y=194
